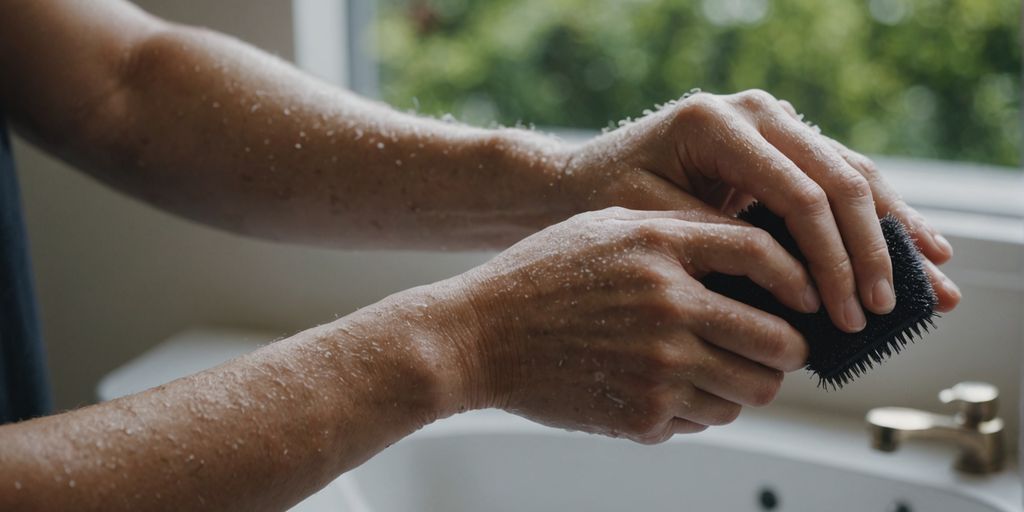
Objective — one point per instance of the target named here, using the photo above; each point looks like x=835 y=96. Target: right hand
x=729 y=150
x=600 y=324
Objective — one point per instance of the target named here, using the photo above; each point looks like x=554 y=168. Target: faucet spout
x=891 y=425
x=978 y=435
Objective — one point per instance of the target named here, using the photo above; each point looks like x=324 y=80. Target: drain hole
x=901 y=507
x=770 y=501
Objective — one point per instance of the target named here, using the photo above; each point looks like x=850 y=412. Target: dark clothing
x=24 y=389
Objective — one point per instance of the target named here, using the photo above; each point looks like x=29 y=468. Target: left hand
x=727 y=151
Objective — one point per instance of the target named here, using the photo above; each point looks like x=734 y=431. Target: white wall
x=115 y=276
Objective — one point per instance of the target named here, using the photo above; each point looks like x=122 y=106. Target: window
x=933 y=85
x=935 y=79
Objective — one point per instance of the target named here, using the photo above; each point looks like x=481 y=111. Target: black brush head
x=836 y=357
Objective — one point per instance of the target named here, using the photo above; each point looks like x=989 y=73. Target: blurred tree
x=925 y=78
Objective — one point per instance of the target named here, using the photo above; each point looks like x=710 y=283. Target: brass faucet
x=975 y=428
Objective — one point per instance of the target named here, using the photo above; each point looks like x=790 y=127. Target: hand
x=600 y=324
x=729 y=150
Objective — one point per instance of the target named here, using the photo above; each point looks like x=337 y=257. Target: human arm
x=260 y=432
x=212 y=129
x=611 y=334
x=215 y=130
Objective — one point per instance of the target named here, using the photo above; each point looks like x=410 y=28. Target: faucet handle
x=977 y=401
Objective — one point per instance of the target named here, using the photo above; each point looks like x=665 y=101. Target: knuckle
x=655 y=276
x=774 y=349
x=853 y=186
x=613 y=212
x=653 y=439
x=773 y=346
x=866 y=165
x=661 y=359
x=727 y=414
x=645 y=234
x=877 y=252
x=767 y=390
x=700 y=109
x=843 y=267
x=758 y=243
x=643 y=425
x=587 y=218
x=810 y=199
x=757 y=99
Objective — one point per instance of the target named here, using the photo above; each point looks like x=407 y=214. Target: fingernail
x=883 y=297
x=853 y=315
x=811 y=300
x=943 y=244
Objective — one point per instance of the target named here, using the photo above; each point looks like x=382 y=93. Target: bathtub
x=771 y=459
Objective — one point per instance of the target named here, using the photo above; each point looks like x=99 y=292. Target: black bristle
x=837 y=357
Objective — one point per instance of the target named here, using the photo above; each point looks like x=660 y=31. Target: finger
x=756 y=167
x=790 y=109
x=650 y=195
x=743 y=251
x=703 y=214
x=703 y=408
x=747 y=331
x=670 y=428
x=932 y=244
x=947 y=293
x=681 y=426
x=735 y=378
x=852 y=202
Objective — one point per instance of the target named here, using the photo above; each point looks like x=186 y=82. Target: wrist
x=538 y=163
x=458 y=335
x=421 y=348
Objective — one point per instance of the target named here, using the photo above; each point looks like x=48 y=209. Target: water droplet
x=380 y=145
x=287 y=111
x=298 y=145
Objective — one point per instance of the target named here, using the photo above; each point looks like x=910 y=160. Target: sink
x=774 y=458
x=784 y=460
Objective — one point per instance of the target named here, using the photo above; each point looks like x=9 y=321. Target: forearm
x=258 y=433
x=217 y=131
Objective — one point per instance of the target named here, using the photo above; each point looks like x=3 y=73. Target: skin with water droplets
x=165 y=113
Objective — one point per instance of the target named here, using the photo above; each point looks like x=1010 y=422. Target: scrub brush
x=836 y=357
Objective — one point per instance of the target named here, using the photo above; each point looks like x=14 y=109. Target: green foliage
x=925 y=78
